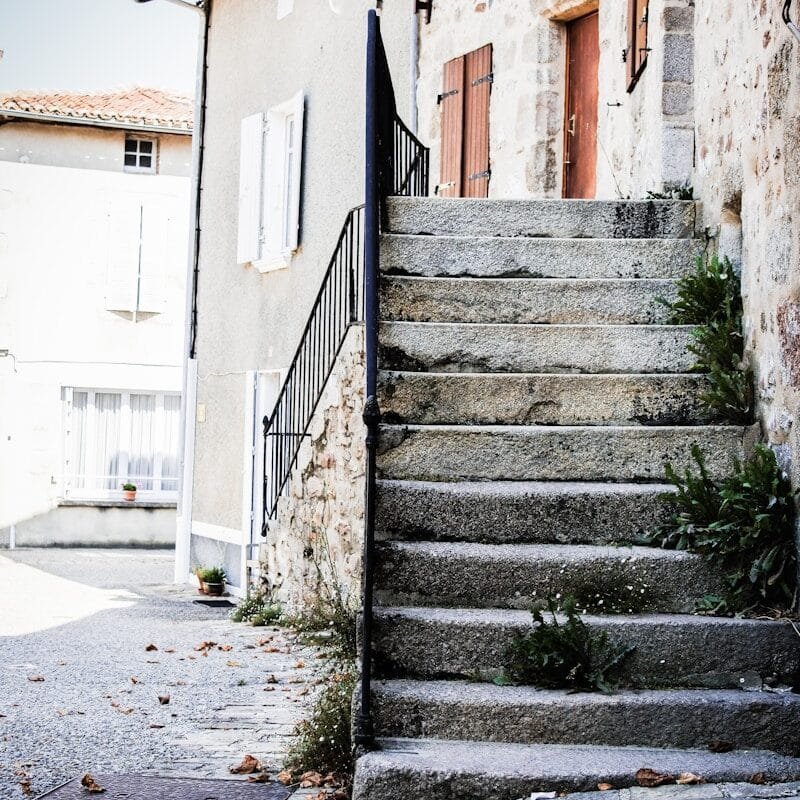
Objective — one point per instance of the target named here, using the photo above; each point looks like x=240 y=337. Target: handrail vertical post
x=364 y=734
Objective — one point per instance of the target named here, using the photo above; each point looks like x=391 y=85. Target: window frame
x=637 y=50
x=95 y=491
x=137 y=168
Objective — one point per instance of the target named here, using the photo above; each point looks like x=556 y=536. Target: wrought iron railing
x=396 y=163
x=339 y=303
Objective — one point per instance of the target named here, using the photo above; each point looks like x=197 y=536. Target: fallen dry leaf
x=720 y=746
x=134 y=680
x=604 y=787
x=262 y=777
x=649 y=778
x=311 y=778
x=226 y=648
x=36 y=678
x=759 y=778
x=163 y=699
x=285 y=777
x=248 y=766
x=302 y=692
x=205 y=646
x=233 y=663
x=300 y=665
x=26 y=787
x=156 y=725
x=271 y=679
x=169 y=649
x=150 y=648
x=689 y=778
x=269 y=688
x=272 y=650
x=90 y=784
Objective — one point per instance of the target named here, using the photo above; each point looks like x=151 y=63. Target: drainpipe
x=414 y=69
x=189 y=378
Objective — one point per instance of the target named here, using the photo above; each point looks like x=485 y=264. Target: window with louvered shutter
x=636 y=53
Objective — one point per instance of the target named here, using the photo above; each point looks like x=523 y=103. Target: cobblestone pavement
x=704 y=791
x=89 y=641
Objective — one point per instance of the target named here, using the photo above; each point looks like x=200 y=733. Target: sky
x=97 y=45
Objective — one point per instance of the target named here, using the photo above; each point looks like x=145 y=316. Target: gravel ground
x=97 y=708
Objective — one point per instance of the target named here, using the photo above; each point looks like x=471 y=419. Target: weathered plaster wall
x=748 y=137
x=87 y=148
x=314 y=547
x=639 y=147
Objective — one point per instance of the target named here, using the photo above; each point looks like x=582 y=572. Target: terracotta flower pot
x=129 y=495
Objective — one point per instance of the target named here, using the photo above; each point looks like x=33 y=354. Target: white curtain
x=169 y=451
x=107 y=414
x=140 y=455
x=77 y=448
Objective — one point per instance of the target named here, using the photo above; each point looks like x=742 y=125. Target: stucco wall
x=248 y=320
x=748 y=137
x=53 y=264
x=314 y=547
x=83 y=147
x=638 y=146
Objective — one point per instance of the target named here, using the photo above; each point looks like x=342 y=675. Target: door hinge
x=441 y=186
x=484 y=79
x=445 y=95
x=476 y=176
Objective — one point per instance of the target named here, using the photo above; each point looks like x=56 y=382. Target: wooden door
x=580 y=125
x=465 y=125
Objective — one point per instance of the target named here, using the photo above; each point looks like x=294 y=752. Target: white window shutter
x=122 y=266
x=293 y=212
x=154 y=250
x=251 y=181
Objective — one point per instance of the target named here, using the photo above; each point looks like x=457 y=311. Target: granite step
x=508 y=257
x=670 y=718
x=468 y=575
x=500 y=512
x=451 y=347
x=527 y=300
x=672 y=650
x=431 y=398
x=547 y=453
x=457 y=770
x=597 y=219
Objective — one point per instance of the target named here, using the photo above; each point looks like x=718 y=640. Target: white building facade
x=94 y=210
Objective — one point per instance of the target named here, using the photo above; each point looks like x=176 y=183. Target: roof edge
x=89 y=122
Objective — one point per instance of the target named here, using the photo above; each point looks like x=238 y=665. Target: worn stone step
x=671 y=650
x=547 y=453
x=457 y=770
x=593 y=219
x=497 y=512
x=522 y=300
x=679 y=718
x=468 y=575
x=501 y=256
x=449 y=347
x=429 y=398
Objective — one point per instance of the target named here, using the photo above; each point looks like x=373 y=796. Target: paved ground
x=79 y=688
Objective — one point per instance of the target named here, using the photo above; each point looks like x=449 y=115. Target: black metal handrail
x=396 y=163
x=339 y=304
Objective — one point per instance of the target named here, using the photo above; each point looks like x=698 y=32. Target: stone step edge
x=455 y=770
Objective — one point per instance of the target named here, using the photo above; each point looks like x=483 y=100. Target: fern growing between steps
x=564 y=655
x=711 y=298
x=745 y=524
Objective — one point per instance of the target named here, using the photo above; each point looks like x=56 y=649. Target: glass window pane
x=130 y=145
x=169 y=444
x=107 y=446
x=141 y=452
x=145 y=147
x=146 y=161
x=130 y=160
x=76 y=448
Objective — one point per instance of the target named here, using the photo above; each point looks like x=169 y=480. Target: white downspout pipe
x=414 y=69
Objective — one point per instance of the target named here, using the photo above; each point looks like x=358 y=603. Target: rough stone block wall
x=748 y=178
x=313 y=549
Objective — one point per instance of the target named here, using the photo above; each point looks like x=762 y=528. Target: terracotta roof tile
x=138 y=106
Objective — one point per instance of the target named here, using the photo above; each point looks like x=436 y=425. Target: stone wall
x=314 y=548
x=645 y=138
x=748 y=178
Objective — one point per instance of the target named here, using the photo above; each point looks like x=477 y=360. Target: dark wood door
x=465 y=125
x=580 y=125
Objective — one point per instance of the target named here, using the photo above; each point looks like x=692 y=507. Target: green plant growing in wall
x=744 y=524
x=711 y=299
x=564 y=655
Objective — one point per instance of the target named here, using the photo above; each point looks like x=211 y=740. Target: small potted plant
x=129 y=491
x=212 y=580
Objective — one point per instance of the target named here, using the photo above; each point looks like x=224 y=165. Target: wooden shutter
x=638 y=13
x=122 y=266
x=477 y=88
x=251 y=179
x=452 y=102
x=295 y=171
x=153 y=261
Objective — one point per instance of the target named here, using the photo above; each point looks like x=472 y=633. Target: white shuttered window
x=269 y=185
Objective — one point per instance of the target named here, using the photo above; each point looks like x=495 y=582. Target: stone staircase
x=532 y=395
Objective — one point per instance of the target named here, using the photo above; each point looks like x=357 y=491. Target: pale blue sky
x=94 y=45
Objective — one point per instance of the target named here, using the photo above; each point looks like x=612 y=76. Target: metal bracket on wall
x=484 y=79
x=478 y=175
x=445 y=95
x=426 y=6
